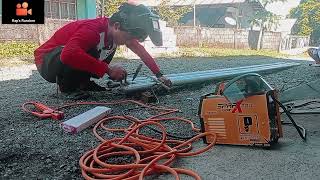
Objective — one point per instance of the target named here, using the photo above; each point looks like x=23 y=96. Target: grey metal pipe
x=217 y=71
x=144 y=83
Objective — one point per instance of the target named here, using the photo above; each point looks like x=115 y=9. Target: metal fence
x=292 y=41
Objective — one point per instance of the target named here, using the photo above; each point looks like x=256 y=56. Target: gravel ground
x=39 y=149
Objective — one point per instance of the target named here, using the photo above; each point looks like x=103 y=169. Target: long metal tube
x=221 y=75
x=210 y=72
x=144 y=83
x=228 y=70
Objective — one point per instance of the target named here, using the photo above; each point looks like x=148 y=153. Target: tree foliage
x=166 y=12
x=265 y=19
x=308 y=15
x=171 y=14
x=109 y=6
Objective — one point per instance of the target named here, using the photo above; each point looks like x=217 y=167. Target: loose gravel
x=38 y=149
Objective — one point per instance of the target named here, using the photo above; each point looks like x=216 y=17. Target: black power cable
x=292 y=106
x=300 y=129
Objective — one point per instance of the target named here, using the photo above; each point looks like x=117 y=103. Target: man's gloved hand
x=166 y=81
x=117 y=72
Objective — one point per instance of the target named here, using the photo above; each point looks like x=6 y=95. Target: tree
x=171 y=14
x=109 y=6
x=265 y=19
x=166 y=12
x=308 y=19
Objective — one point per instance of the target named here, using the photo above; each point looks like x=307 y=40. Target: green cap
x=139 y=21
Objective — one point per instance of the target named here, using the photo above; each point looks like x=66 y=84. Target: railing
x=294 y=41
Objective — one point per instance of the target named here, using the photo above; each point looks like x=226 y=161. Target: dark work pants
x=68 y=79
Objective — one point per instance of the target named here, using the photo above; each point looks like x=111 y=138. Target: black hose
x=305 y=104
x=302 y=105
x=300 y=129
x=305 y=112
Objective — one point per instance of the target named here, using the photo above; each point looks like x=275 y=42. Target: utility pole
x=194 y=13
x=102 y=8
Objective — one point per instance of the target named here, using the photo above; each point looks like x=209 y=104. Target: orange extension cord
x=93 y=163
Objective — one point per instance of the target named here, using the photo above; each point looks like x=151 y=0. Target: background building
x=212 y=13
x=57 y=14
x=68 y=9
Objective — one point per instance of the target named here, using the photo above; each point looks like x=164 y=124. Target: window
x=64 y=10
x=72 y=11
x=60 y=9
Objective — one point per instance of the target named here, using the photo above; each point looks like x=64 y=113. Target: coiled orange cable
x=146 y=150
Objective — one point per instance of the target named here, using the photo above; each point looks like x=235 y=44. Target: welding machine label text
x=234 y=107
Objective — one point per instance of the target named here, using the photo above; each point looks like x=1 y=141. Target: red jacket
x=79 y=37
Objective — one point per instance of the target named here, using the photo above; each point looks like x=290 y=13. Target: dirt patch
x=16 y=61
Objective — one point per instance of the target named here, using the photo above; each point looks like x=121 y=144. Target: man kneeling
x=83 y=49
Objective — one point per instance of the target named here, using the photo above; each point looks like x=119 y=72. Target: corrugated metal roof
x=191 y=2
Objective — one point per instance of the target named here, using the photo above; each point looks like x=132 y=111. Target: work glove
x=117 y=72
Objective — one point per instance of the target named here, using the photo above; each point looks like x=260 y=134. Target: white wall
x=169 y=43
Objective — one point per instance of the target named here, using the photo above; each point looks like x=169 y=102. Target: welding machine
x=242 y=112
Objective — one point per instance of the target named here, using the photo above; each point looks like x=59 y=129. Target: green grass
x=16 y=53
x=17 y=49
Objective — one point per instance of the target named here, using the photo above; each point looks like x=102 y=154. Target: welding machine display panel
x=248 y=127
